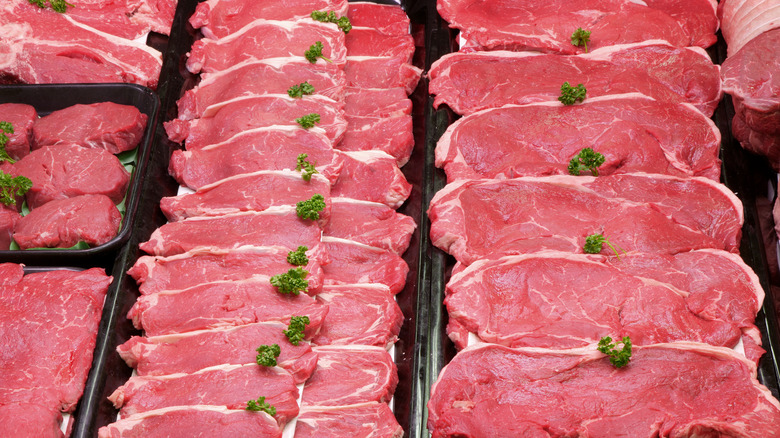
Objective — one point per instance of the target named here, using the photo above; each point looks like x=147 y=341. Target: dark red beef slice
x=65 y=171
x=106 y=125
x=21 y=117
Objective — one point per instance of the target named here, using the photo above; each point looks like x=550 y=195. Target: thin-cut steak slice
x=214 y=421
x=255 y=191
x=388 y=134
x=509 y=301
x=356 y=263
x=105 y=125
x=653 y=68
x=190 y=352
x=41 y=46
x=62 y=223
x=369 y=223
x=225 y=385
x=366 y=41
x=370 y=420
x=21 y=117
x=222 y=121
x=381 y=72
x=633 y=132
x=749 y=77
x=359 y=314
x=221 y=304
x=205 y=265
x=348 y=375
x=272 y=76
x=744 y=20
x=125 y=18
x=58 y=313
x=219 y=18
x=680 y=390
x=388 y=19
x=548 y=26
x=273 y=148
x=263 y=39
x=30 y=420
x=473 y=219
x=8 y=219
x=388 y=185
x=277 y=226
x=66 y=171
x=376 y=102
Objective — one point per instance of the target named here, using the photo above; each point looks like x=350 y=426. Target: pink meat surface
x=356 y=263
x=366 y=41
x=30 y=420
x=369 y=223
x=388 y=19
x=392 y=135
x=376 y=102
x=653 y=68
x=21 y=117
x=744 y=20
x=389 y=186
x=8 y=219
x=370 y=420
x=381 y=72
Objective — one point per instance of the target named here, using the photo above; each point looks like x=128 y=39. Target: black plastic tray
x=109 y=371
x=48 y=98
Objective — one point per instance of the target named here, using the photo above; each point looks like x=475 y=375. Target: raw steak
x=370 y=420
x=277 y=226
x=509 y=300
x=366 y=41
x=743 y=20
x=473 y=219
x=30 y=420
x=42 y=46
x=57 y=312
x=66 y=171
x=369 y=223
x=255 y=191
x=193 y=421
x=356 y=263
x=226 y=119
x=669 y=390
x=381 y=72
x=8 y=219
x=634 y=133
x=62 y=223
x=190 y=352
x=106 y=125
x=219 y=18
x=749 y=76
x=388 y=19
x=388 y=185
x=222 y=304
x=548 y=26
x=21 y=117
x=653 y=68
x=204 y=265
x=273 y=148
x=359 y=314
x=388 y=134
x=377 y=102
x=271 y=76
x=263 y=39
x=225 y=385
x=348 y=375
x=125 y=18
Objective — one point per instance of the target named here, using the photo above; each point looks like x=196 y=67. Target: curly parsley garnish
x=310 y=208
x=295 y=330
x=314 y=52
x=581 y=37
x=307 y=169
x=298 y=257
x=292 y=282
x=330 y=17
x=586 y=160
x=618 y=358
x=260 y=405
x=571 y=95
x=267 y=354
x=298 y=91
x=308 y=121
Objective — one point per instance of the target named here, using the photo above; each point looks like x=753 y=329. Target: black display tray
x=48 y=98
x=109 y=371
x=746 y=174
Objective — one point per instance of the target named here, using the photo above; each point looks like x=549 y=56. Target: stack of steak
x=211 y=288
x=530 y=297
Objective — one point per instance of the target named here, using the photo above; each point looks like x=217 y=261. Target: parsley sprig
x=60 y=6
x=5 y=128
x=11 y=187
x=307 y=169
x=298 y=91
x=330 y=17
x=308 y=121
x=298 y=257
x=595 y=243
x=292 y=282
x=310 y=208
x=296 y=328
x=618 y=358
x=260 y=405
x=571 y=95
x=267 y=354
x=581 y=37
x=586 y=160
x=314 y=52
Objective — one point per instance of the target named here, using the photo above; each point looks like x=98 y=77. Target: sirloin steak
x=370 y=420
x=388 y=19
x=355 y=263
x=370 y=223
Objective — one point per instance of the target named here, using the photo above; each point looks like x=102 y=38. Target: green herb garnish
x=298 y=257
x=571 y=95
x=330 y=17
x=618 y=358
x=310 y=208
x=60 y=6
x=5 y=128
x=292 y=282
x=11 y=187
x=586 y=160
x=314 y=52
x=305 y=167
x=581 y=37
x=298 y=91
x=308 y=121
x=595 y=243
x=260 y=405
x=267 y=354
x=295 y=330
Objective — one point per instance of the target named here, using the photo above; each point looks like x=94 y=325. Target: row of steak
x=208 y=301
x=528 y=299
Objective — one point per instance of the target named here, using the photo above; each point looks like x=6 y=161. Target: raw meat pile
x=92 y=41
x=212 y=288
x=77 y=181
x=48 y=330
x=751 y=71
x=531 y=297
